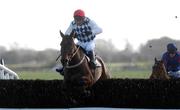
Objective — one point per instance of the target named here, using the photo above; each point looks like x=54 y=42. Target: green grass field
x=132 y=74
x=51 y=75
x=42 y=75
x=117 y=70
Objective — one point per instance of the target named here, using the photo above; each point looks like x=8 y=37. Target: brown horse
x=159 y=70
x=77 y=69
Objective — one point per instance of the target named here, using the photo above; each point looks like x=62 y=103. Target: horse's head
x=68 y=47
x=158 y=66
x=159 y=70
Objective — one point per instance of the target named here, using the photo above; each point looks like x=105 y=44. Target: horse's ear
x=155 y=59
x=62 y=35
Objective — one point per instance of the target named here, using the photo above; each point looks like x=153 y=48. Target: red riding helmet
x=79 y=12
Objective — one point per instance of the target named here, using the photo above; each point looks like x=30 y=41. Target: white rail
x=6 y=73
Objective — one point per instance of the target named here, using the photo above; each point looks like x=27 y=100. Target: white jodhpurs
x=175 y=74
x=88 y=46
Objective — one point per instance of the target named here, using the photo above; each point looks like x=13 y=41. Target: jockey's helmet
x=79 y=12
x=171 y=48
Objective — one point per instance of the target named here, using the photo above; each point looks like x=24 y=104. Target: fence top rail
x=9 y=71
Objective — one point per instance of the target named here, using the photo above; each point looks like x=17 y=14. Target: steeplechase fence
x=115 y=93
x=6 y=73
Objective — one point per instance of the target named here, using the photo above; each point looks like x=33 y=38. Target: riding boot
x=92 y=57
x=60 y=70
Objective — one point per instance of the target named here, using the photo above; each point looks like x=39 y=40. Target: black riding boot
x=60 y=70
x=92 y=57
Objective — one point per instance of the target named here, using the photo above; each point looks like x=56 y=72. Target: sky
x=35 y=24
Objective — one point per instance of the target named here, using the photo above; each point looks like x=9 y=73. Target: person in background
x=171 y=59
x=85 y=30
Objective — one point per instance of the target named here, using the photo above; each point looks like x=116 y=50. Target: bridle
x=71 y=57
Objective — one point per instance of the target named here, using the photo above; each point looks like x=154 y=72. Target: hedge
x=116 y=93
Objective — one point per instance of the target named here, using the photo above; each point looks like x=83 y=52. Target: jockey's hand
x=88 y=33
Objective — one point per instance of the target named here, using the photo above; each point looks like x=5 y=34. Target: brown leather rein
x=75 y=65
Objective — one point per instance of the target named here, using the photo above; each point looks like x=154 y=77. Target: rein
x=73 y=66
x=74 y=53
x=71 y=56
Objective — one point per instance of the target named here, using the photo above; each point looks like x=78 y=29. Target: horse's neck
x=164 y=69
x=164 y=72
x=78 y=56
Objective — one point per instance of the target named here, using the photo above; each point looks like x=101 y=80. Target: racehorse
x=159 y=70
x=77 y=70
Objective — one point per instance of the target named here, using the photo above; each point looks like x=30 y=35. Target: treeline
x=105 y=49
x=146 y=52
x=28 y=57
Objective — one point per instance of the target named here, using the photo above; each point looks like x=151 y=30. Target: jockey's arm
x=164 y=59
x=69 y=30
x=95 y=28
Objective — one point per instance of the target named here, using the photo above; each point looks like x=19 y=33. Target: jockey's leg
x=60 y=70
x=89 y=47
x=93 y=61
x=178 y=74
x=91 y=55
x=174 y=75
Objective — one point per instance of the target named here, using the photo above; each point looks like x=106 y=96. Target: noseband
x=70 y=58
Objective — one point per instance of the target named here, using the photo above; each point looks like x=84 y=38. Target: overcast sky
x=36 y=23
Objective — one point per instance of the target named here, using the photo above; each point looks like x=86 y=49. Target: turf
x=42 y=75
x=50 y=75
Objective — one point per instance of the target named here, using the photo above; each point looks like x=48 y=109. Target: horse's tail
x=105 y=73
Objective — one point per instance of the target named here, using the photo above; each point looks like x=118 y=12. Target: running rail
x=6 y=73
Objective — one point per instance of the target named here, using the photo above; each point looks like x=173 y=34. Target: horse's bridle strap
x=75 y=52
x=73 y=66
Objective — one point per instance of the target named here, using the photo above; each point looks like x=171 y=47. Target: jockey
x=85 y=30
x=171 y=60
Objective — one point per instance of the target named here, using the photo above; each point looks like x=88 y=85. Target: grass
x=117 y=70
x=132 y=74
x=41 y=75
x=140 y=70
x=51 y=75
